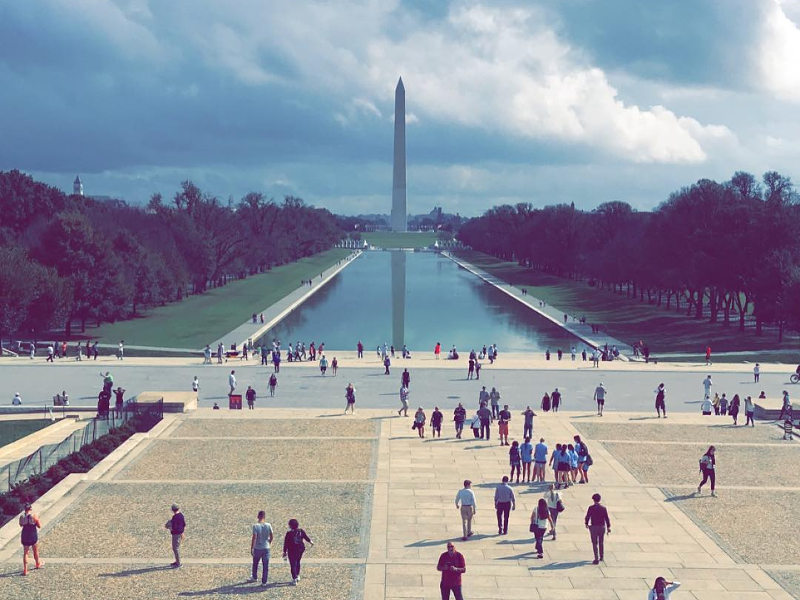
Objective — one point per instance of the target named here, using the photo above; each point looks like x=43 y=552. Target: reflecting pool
x=416 y=298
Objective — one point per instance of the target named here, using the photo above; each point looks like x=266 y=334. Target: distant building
x=77 y=186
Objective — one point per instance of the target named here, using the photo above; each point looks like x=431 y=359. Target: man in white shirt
x=707 y=383
x=600 y=398
x=259 y=547
x=17 y=401
x=232 y=382
x=466 y=498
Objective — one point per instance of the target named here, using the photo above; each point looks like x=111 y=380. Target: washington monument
x=399 y=220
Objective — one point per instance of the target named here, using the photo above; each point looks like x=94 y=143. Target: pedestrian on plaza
x=50 y=353
x=595 y=359
x=294 y=547
x=259 y=547
x=475 y=424
x=386 y=364
x=16 y=400
x=494 y=401
x=555 y=398
x=749 y=410
x=708 y=467
x=715 y=403
x=323 y=365
x=485 y=416
x=120 y=350
x=540 y=519
x=273 y=382
x=276 y=360
x=437 y=350
x=360 y=349
x=195 y=384
x=788 y=425
x=30 y=524
x=451 y=565
x=504 y=502
x=526 y=456
x=573 y=463
x=582 y=450
x=733 y=411
x=545 y=405
x=553 y=463
x=483 y=396
x=405 y=378
x=539 y=460
x=514 y=460
x=471 y=368
x=477 y=369
x=232 y=382
x=707 y=383
x=436 y=422
x=250 y=395
x=459 y=416
x=502 y=425
x=119 y=401
x=468 y=507
x=527 y=429
x=403 y=401
x=350 y=395
x=598 y=524
x=660 y=397
x=554 y=506
x=786 y=406
x=419 y=422
x=662 y=589
x=564 y=467
x=708 y=355
x=334 y=366
x=723 y=405
x=756 y=373
x=176 y=526
x=600 y=398
x=560 y=352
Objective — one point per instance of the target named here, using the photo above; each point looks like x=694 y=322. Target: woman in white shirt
x=540 y=519
x=662 y=589
x=552 y=497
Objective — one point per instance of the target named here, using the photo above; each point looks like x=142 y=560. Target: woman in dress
x=30 y=537
x=350 y=394
x=546 y=402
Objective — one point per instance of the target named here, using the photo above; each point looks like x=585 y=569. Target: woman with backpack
x=662 y=589
x=540 y=519
x=733 y=411
x=707 y=467
x=293 y=548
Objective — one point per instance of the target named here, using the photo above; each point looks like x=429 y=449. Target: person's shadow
x=132 y=572
x=236 y=589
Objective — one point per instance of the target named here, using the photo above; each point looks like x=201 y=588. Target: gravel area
x=756 y=525
x=128 y=519
x=252 y=459
x=211 y=428
x=736 y=465
x=790 y=580
x=664 y=431
x=143 y=582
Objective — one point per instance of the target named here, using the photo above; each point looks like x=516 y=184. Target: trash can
x=235 y=402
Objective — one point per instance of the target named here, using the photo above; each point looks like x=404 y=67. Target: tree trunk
x=68 y=327
x=713 y=304
x=698 y=314
x=780 y=331
x=83 y=324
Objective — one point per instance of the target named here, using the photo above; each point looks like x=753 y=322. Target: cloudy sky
x=579 y=101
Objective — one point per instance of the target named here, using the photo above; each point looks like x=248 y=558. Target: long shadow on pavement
x=236 y=589
x=132 y=572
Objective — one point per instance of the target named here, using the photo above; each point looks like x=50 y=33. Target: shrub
x=11 y=505
x=57 y=472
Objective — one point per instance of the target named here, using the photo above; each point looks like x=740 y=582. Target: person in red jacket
x=451 y=564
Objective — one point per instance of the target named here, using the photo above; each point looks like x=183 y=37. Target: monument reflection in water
x=418 y=299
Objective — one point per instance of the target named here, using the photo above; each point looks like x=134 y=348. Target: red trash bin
x=235 y=402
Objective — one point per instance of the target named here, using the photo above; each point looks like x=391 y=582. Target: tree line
x=67 y=259
x=726 y=251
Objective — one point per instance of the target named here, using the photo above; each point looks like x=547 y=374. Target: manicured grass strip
x=201 y=319
x=11 y=431
x=627 y=319
x=411 y=239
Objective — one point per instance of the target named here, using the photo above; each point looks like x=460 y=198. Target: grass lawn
x=199 y=320
x=630 y=320
x=410 y=239
x=11 y=431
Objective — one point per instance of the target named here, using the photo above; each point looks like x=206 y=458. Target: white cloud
x=779 y=52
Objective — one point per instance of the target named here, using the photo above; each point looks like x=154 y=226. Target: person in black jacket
x=293 y=547
x=598 y=524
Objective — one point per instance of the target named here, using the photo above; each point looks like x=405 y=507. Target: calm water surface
x=416 y=298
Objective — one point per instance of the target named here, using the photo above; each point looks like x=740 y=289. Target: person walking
x=555 y=399
x=273 y=383
x=662 y=589
x=405 y=378
x=466 y=503
x=733 y=411
x=554 y=505
x=30 y=524
x=483 y=396
x=582 y=450
x=436 y=422
x=294 y=547
x=195 y=384
x=708 y=355
x=749 y=410
x=334 y=366
x=259 y=547
x=787 y=405
x=475 y=425
x=360 y=349
x=403 y=401
x=600 y=398
x=545 y=404
x=419 y=422
x=708 y=464
x=176 y=527
x=714 y=404
x=598 y=524
x=540 y=519
x=207 y=355
x=386 y=364
x=660 y=397
x=503 y=417
x=459 y=416
x=232 y=383
x=526 y=456
x=120 y=350
x=350 y=395
x=494 y=401
x=250 y=395
x=539 y=460
x=485 y=415
x=756 y=373
x=451 y=565
x=515 y=460
x=323 y=365
x=504 y=503
x=527 y=428
x=437 y=350
x=595 y=359
x=707 y=384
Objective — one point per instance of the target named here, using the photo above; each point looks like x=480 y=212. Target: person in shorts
x=539 y=460
x=503 y=417
x=600 y=398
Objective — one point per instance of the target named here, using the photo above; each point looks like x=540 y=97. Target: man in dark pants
x=486 y=419
x=504 y=503
x=598 y=524
x=451 y=564
x=176 y=526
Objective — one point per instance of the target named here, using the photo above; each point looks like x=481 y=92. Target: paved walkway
x=275 y=313
x=555 y=315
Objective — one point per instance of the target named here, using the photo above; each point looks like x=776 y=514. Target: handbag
x=532 y=528
x=414 y=425
x=560 y=506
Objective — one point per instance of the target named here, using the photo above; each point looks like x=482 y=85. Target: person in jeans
x=459 y=416
x=708 y=464
x=540 y=519
x=259 y=547
x=293 y=547
x=749 y=410
x=485 y=416
x=176 y=526
x=451 y=565
x=466 y=499
x=598 y=524
x=527 y=429
x=504 y=503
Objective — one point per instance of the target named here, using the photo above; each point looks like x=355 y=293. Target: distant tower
x=77 y=186
x=399 y=220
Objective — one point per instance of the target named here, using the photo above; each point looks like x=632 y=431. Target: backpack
x=589 y=461
x=583 y=450
x=297 y=538
x=705 y=461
